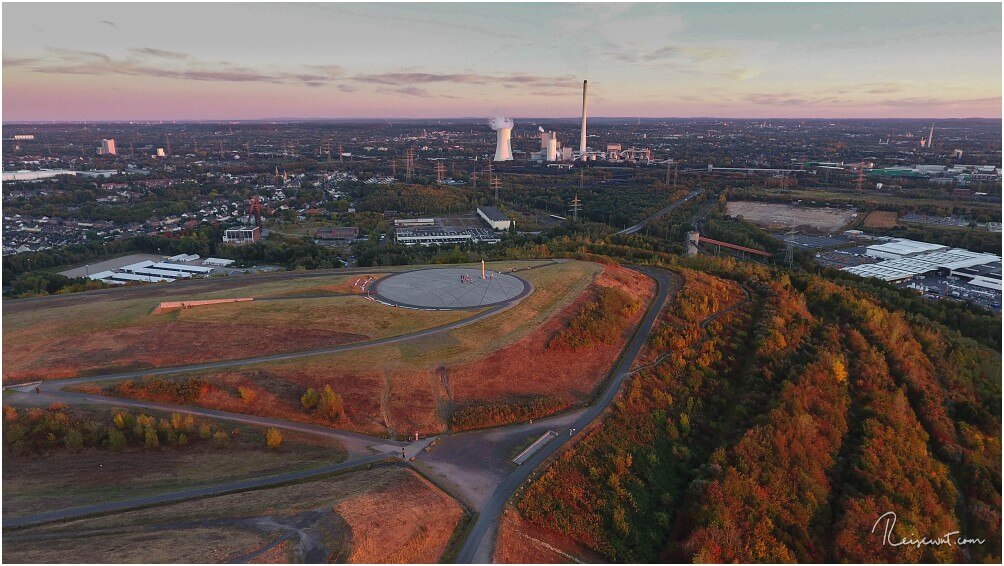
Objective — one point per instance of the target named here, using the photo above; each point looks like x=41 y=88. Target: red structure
x=255 y=210
x=704 y=240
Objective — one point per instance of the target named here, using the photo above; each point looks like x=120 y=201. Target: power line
x=576 y=207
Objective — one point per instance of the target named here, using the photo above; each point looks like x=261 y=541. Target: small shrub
x=273 y=438
x=182 y=440
x=205 y=431
x=10 y=414
x=309 y=399
x=221 y=439
x=116 y=440
x=150 y=438
x=74 y=440
x=247 y=394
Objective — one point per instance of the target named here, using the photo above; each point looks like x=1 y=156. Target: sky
x=196 y=61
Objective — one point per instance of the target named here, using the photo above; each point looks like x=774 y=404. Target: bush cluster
x=599 y=320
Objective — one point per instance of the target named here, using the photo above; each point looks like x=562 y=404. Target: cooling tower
x=503 y=145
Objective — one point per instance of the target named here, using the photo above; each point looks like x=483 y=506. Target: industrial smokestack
x=582 y=136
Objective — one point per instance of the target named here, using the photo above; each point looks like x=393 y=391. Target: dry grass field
x=384 y=514
x=400 y=389
x=881 y=219
x=776 y=216
x=406 y=520
x=120 y=335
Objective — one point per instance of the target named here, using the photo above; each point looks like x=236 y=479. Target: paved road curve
x=479 y=546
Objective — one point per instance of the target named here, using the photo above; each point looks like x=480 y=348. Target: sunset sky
x=256 y=61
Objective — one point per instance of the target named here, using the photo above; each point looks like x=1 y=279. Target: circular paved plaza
x=449 y=288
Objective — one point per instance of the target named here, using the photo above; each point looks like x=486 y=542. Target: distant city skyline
x=149 y=62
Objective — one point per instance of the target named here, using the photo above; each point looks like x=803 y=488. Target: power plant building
x=549 y=147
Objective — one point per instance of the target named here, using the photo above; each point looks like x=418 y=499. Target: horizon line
x=464 y=118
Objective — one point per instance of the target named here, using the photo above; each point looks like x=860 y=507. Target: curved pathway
x=480 y=542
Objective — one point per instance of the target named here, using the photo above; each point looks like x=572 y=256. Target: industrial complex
x=935 y=270
x=180 y=266
x=439 y=231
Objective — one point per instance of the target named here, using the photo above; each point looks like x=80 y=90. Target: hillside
x=782 y=430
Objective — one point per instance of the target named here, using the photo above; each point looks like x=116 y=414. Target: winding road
x=479 y=544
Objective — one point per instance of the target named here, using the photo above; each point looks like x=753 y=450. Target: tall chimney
x=582 y=138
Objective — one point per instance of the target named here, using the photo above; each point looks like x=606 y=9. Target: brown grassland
x=401 y=388
x=880 y=219
x=96 y=337
x=385 y=514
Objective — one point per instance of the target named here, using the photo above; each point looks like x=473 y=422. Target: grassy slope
x=64 y=341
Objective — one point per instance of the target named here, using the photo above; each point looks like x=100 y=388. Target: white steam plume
x=499 y=123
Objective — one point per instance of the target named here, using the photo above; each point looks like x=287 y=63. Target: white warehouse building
x=494 y=218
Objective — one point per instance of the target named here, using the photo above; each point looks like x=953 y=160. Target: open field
x=882 y=199
x=81 y=339
x=62 y=478
x=400 y=389
x=777 y=216
x=880 y=219
x=386 y=514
